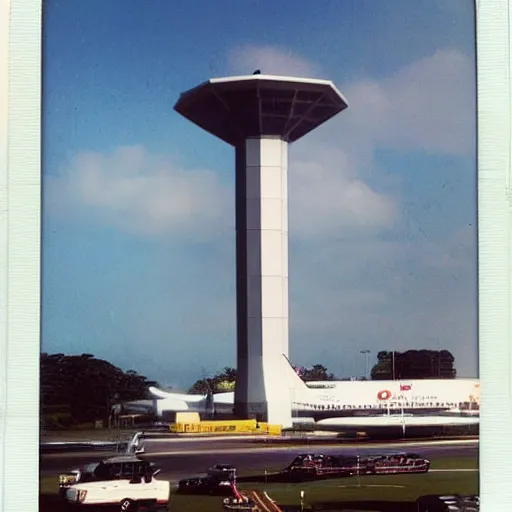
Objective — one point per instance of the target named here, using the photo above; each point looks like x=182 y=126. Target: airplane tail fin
x=158 y=392
x=295 y=383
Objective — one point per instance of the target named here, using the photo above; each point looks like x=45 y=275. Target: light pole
x=358 y=471
x=367 y=354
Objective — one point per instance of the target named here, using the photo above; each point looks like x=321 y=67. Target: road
x=188 y=458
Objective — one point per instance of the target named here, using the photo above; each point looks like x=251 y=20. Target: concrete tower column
x=259 y=115
x=262 y=277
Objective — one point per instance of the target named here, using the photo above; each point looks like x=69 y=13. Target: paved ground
x=187 y=458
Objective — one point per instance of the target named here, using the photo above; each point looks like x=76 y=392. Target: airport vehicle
x=450 y=503
x=356 y=404
x=318 y=465
x=233 y=503
x=205 y=485
x=239 y=502
x=222 y=471
x=123 y=483
x=394 y=463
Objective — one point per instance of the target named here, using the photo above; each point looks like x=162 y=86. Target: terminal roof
x=234 y=108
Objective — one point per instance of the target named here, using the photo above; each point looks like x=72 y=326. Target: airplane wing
x=396 y=421
x=176 y=396
x=224 y=398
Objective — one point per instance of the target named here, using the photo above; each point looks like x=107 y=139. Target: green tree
x=316 y=372
x=414 y=364
x=84 y=389
x=225 y=380
x=219 y=383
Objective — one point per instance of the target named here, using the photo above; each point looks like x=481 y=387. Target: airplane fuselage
x=375 y=398
x=361 y=399
x=354 y=403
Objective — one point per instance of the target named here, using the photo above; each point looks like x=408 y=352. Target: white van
x=124 y=483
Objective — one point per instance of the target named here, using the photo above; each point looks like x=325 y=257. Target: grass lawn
x=389 y=493
x=373 y=493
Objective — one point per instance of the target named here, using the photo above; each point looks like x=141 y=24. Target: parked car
x=448 y=503
x=318 y=465
x=205 y=485
x=123 y=483
x=239 y=505
x=222 y=471
x=394 y=463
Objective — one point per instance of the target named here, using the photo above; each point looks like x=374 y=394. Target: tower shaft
x=259 y=115
x=262 y=279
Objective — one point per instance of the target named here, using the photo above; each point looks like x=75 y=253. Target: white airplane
x=345 y=405
x=180 y=402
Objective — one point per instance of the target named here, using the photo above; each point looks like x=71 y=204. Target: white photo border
x=493 y=24
x=20 y=254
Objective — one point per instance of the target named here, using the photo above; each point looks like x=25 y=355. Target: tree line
x=78 y=389
x=411 y=364
x=225 y=380
x=414 y=364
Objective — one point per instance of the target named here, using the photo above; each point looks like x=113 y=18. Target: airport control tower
x=260 y=115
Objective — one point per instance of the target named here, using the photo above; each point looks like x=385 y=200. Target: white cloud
x=140 y=193
x=429 y=105
x=150 y=195
x=327 y=198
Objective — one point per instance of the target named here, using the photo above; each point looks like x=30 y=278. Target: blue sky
x=138 y=249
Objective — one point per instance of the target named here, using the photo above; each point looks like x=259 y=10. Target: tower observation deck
x=260 y=115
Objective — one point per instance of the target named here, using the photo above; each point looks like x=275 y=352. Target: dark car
x=448 y=503
x=306 y=460
x=319 y=465
x=316 y=465
x=205 y=485
x=222 y=471
x=395 y=463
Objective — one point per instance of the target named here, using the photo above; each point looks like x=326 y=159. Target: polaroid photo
x=255 y=256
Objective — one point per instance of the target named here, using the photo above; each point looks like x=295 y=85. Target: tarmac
x=187 y=458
